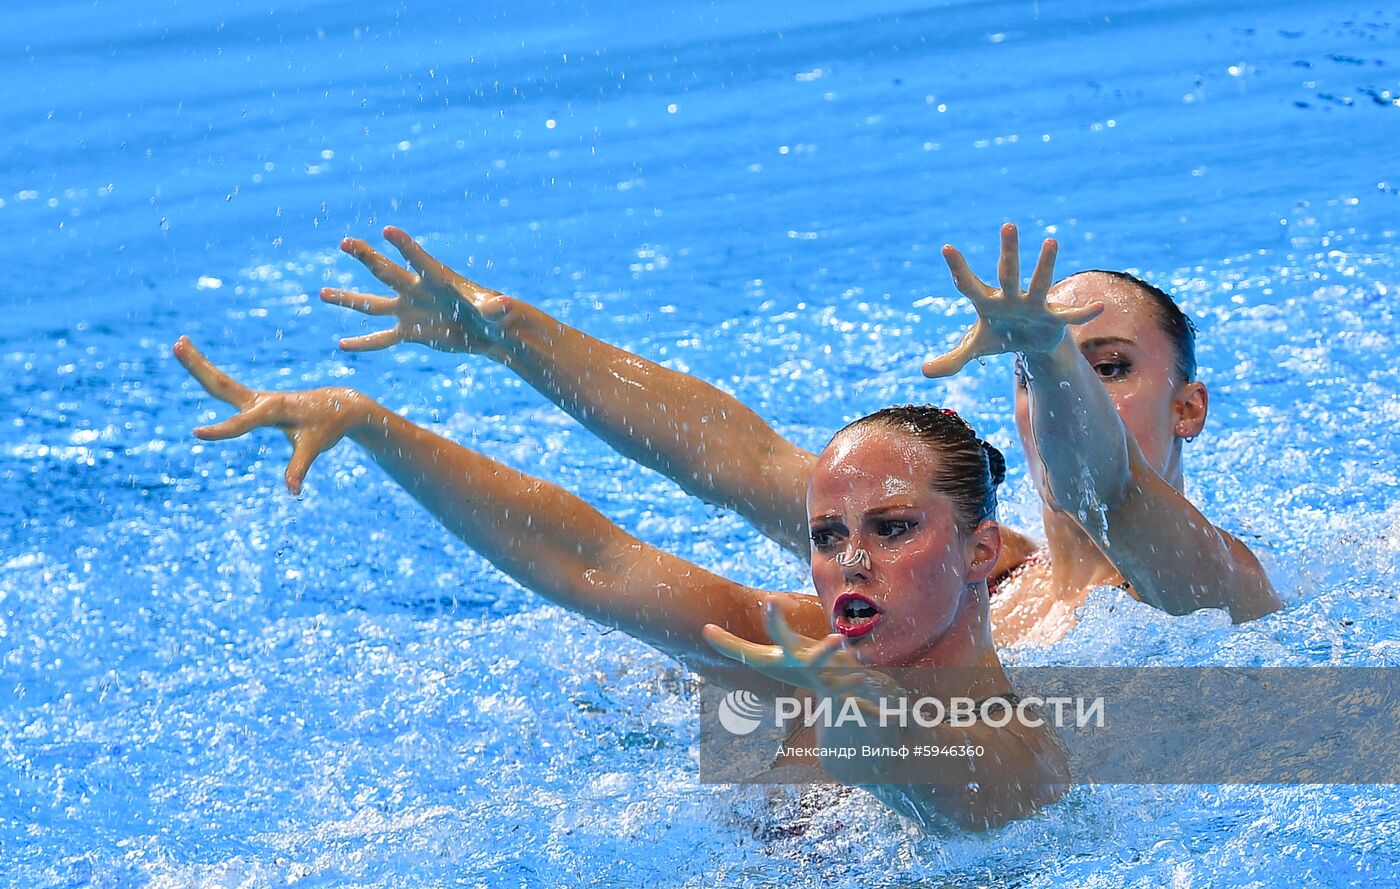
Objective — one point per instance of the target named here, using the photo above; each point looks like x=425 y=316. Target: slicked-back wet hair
x=969 y=469
x=1179 y=329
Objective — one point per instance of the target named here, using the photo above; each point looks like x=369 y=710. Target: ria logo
x=740 y=712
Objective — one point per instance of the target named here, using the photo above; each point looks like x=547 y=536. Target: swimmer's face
x=1136 y=362
x=871 y=491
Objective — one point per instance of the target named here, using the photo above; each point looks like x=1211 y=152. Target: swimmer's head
x=968 y=469
x=1174 y=323
x=1143 y=348
x=901 y=510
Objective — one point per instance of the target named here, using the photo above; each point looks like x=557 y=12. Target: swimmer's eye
x=892 y=528
x=1112 y=370
x=1020 y=373
x=824 y=538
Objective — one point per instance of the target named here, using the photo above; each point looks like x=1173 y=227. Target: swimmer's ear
x=983 y=547
x=1190 y=404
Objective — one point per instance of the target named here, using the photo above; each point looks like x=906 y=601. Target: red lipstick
x=854 y=615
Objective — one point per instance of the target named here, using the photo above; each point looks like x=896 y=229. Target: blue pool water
x=207 y=682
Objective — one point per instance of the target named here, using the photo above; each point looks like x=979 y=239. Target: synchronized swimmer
x=897 y=514
x=1106 y=399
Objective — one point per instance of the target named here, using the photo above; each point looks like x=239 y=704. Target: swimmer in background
x=1106 y=396
x=903 y=537
x=1103 y=414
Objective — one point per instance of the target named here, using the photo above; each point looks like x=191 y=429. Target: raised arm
x=545 y=538
x=1172 y=555
x=706 y=440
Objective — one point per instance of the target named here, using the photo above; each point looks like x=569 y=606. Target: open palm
x=826 y=666
x=313 y=420
x=435 y=306
x=1008 y=318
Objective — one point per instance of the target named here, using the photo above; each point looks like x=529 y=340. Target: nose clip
x=851 y=559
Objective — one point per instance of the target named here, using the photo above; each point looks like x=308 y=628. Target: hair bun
x=966 y=468
x=995 y=461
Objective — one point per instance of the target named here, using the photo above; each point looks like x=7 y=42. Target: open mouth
x=854 y=615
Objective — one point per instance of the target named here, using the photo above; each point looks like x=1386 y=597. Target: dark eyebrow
x=882 y=510
x=874 y=513
x=1107 y=341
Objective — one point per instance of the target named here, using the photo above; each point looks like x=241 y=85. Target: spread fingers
x=1009 y=265
x=360 y=302
x=1078 y=314
x=239 y=424
x=737 y=648
x=968 y=284
x=396 y=276
x=1044 y=274
x=215 y=382
x=372 y=342
x=421 y=260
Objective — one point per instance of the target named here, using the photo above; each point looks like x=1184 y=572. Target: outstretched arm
x=704 y=439
x=1172 y=555
x=539 y=534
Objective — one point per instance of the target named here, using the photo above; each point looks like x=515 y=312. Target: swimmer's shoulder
x=1017 y=550
x=1259 y=597
x=1241 y=552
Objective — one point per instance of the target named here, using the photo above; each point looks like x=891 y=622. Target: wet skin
x=871 y=492
x=1136 y=362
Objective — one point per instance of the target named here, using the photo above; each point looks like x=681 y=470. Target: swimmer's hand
x=1008 y=319
x=826 y=666
x=313 y=420
x=436 y=307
